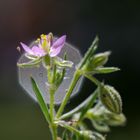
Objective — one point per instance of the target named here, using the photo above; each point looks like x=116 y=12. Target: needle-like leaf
x=41 y=101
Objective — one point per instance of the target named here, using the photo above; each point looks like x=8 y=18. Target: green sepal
x=60 y=74
x=89 y=135
x=60 y=77
x=62 y=63
x=111 y=99
x=29 y=64
x=100 y=126
x=98 y=136
x=32 y=57
x=102 y=118
x=103 y=70
x=115 y=119
x=46 y=61
x=41 y=101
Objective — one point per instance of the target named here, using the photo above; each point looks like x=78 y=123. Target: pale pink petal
x=55 y=52
x=26 y=48
x=57 y=46
x=38 y=51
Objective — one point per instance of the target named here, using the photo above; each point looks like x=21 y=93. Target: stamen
x=44 y=37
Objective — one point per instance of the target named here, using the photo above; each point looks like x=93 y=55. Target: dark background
x=118 y=25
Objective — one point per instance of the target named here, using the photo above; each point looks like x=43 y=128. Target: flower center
x=45 y=42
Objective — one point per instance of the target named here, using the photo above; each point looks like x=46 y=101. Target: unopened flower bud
x=95 y=61
x=100 y=59
x=111 y=99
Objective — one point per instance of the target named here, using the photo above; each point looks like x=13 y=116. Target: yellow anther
x=44 y=37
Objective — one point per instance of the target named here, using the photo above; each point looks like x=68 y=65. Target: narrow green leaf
x=65 y=135
x=41 y=101
x=88 y=105
x=105 y=70
x=75 y=137
x=90 y=52
x=92 y=79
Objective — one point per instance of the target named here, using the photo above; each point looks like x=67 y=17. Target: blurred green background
x=118 y=25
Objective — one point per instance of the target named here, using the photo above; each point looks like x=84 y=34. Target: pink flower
x=46 y=46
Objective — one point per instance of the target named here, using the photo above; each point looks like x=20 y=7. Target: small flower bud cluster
x=96 y=61
x=102 y=118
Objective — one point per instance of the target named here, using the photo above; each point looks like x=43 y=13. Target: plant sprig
x=103 y=107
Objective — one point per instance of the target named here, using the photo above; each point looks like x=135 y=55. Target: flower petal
x=27 y=49
x=38 y=51
x=57 y=46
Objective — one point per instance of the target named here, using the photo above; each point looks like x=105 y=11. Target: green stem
x=92 y=98
x=45 y=109
x=68 y=94
x=51 y=78
x=52 y=104
x=93 y=79
x=53 y=128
